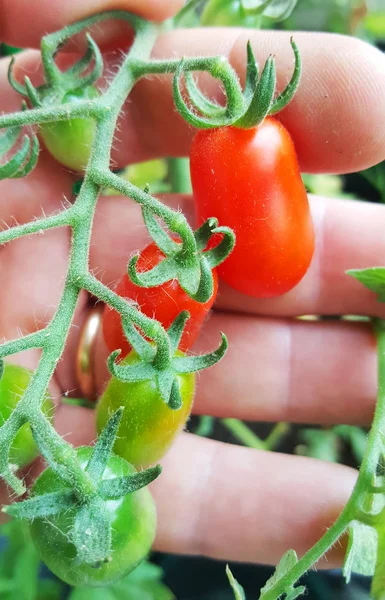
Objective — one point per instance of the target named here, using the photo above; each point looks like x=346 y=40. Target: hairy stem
x=353 y=508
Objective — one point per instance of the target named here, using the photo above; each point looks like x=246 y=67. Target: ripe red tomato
x=163 y=303
x=249 y=179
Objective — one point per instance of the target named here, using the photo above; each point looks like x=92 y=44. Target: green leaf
x=372 y=278
x=279 y=9
x=239 y=592
x=361 y=553
x=287 y=562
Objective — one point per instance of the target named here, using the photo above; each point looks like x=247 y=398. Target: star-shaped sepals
x=91 y=532
x=83 y=73
x=190 y=264
x=24 y=159
x=244 y=108
x=163 y=369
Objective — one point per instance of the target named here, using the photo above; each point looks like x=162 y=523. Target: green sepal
x=262 y=99
x=205 y=106
x=41 y=506
x=163 y=272
x=103 y=448
x=372 y=278
x=255 y=103
x=18 y=87
x=129 y=373
x=158 y=234
x=113 y=489
x=31 y=162
x=186 y=113
x=10 y=168
x=217 y=255
x=191 y=364
x=175 y=331
x=91 y=534
x=97 y=70
x=32 y=93
x=165 y=372
x=195 y=277
x=142 y=347
x=252 y=74
x=288 y=93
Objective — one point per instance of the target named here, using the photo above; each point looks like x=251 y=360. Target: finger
x=49 y=15
x=326 y=289
x=285 y=370
x=320 y=117
x=222 y=501
x=282 y=370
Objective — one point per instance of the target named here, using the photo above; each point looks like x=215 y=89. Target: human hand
x=213 y=499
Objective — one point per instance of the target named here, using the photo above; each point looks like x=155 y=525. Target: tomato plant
x=148 y=426
x=250 y=179
x=70 y=141
x=133 y=524
x=163 y=303
x=13 y=384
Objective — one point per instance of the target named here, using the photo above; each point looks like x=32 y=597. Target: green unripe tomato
x=133 y=526
x=228 y=13
x=148 y=426
x=70 y=141
x=13 y=384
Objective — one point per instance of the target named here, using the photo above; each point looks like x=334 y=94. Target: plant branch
x=352 y=509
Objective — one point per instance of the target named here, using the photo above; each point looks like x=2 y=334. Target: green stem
x=64 y=218
x=179 y=175
x=363 y=485
x=243 y=433
x=275 y=436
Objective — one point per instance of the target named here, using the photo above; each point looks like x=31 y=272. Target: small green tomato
x=70 y=141
x=133 y=525
x=148 y=426
x=13 y=384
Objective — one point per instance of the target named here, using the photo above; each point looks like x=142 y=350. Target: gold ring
x=85 y=355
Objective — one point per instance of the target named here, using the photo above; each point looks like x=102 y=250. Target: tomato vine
x=190 y=262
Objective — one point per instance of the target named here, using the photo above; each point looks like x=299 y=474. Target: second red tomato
x=163 y=303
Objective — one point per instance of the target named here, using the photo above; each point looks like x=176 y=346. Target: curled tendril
x=24 y=160
x=165 y=375
x=174 y=265
x=257 y=99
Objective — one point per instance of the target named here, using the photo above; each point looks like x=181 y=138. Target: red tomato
x=249 y=179
x=163 y=303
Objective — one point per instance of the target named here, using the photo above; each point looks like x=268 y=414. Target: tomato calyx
x=191 y=268
x=91 y=532
x=163 y=368
x=244 y=109
x=79 y=76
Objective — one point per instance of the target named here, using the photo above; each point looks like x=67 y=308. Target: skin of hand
x=276 y=368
